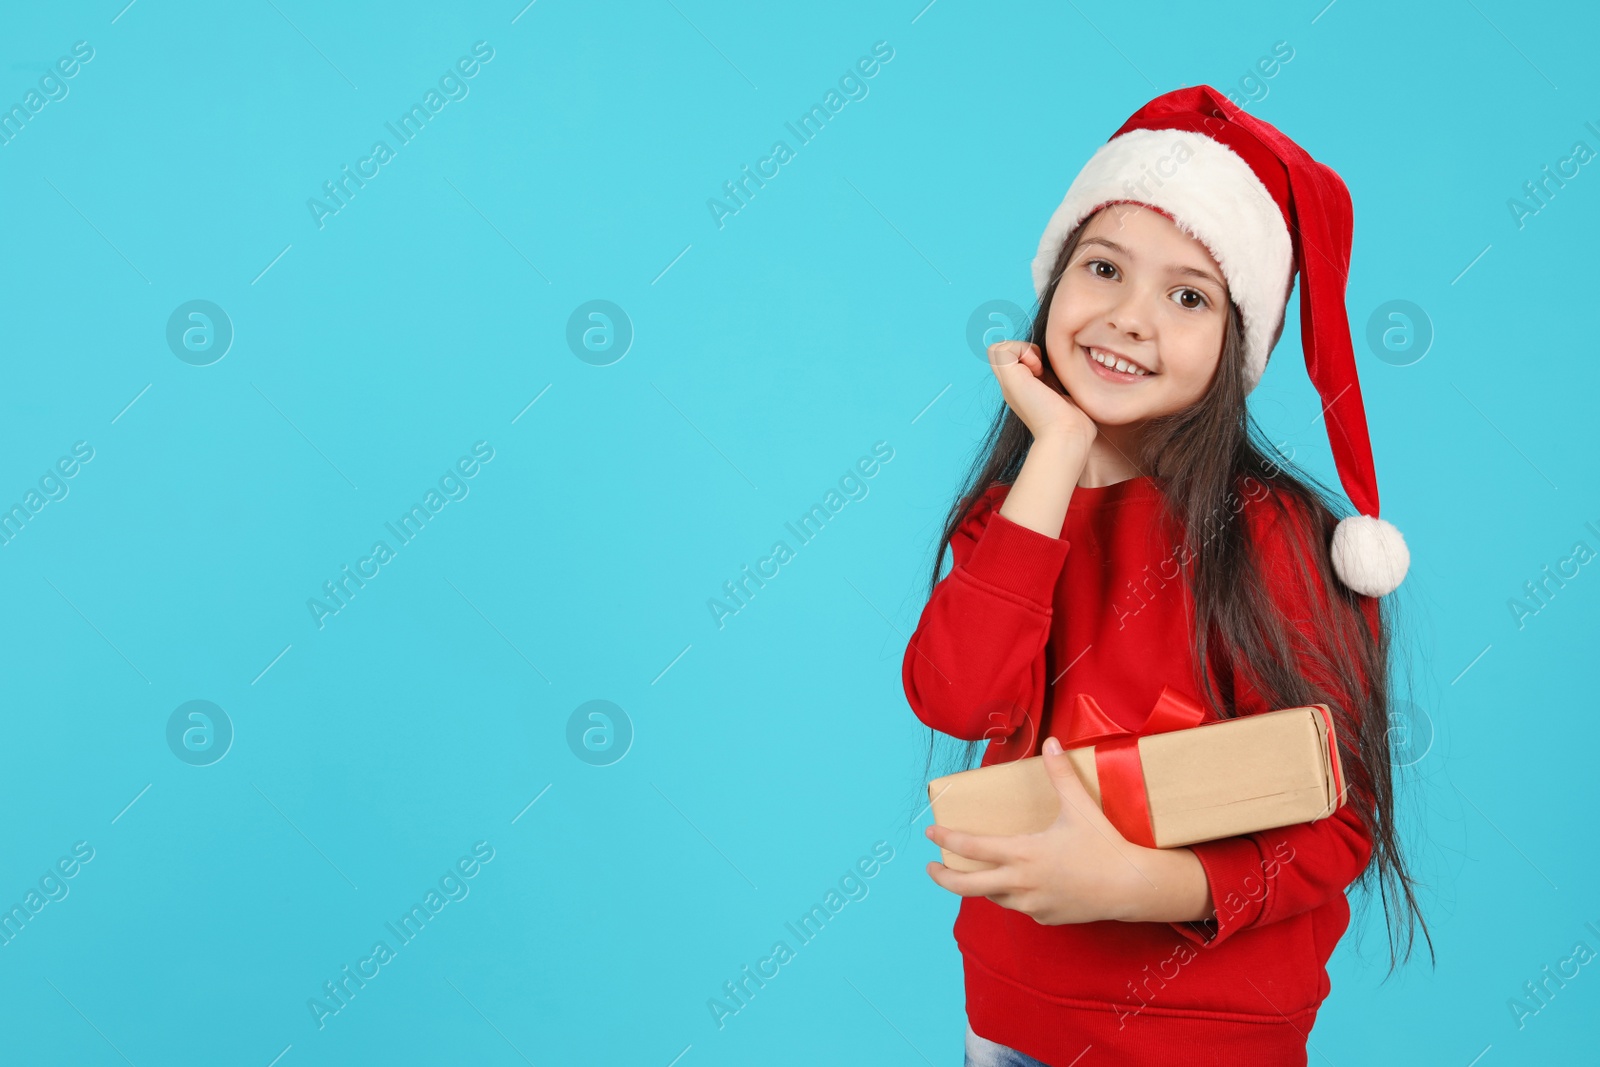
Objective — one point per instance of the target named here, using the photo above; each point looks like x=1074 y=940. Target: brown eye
x=1196 y=294
x=1093 y=263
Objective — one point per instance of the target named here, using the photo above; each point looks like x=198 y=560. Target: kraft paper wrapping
x=1236 y=776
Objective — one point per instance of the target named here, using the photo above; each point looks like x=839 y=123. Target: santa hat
x=1265 y=209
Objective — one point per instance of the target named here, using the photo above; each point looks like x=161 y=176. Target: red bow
x=1116 y=755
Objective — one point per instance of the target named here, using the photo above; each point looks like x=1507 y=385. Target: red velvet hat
x=1266 y=210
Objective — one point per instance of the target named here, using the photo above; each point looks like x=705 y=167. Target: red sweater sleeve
x=975 y=667
x=1271 y=875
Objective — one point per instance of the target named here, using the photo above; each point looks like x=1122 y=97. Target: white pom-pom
x=1369 y=555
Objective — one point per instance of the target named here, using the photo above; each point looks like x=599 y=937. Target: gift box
x=1171 y=782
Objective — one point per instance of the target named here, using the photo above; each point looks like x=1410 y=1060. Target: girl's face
x=1139 y=288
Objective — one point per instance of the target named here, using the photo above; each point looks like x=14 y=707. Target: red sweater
x=1022 y=623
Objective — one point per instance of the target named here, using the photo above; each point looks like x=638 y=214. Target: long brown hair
x=1198 y=457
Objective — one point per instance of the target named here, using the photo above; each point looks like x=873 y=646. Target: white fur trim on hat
x=1369 y=555
x=1214 y=196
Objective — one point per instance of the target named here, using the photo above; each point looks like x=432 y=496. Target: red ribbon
x=1116 y=755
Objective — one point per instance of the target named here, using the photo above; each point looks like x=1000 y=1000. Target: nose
x=1129 y=314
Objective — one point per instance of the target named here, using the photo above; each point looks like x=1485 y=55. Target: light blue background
x=769 y=355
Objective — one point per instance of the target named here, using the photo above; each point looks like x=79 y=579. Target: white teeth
x=1117 y=364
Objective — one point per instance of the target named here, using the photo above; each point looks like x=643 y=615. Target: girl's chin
x=1103 y=411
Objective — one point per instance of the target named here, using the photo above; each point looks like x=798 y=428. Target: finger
x=1000 y=881
x=1009 y=900
x=990 y=848
x=1073 y=793
x=1077 y=806
x=1004 y=352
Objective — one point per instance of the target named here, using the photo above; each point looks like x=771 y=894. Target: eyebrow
x=1194 y=272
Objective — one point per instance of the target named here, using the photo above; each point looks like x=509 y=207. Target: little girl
x=1124 y=531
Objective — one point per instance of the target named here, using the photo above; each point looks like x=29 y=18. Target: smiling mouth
x=1109 y=371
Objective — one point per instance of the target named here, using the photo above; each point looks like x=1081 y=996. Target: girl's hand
x=1032 y=390
x=1079 y=870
